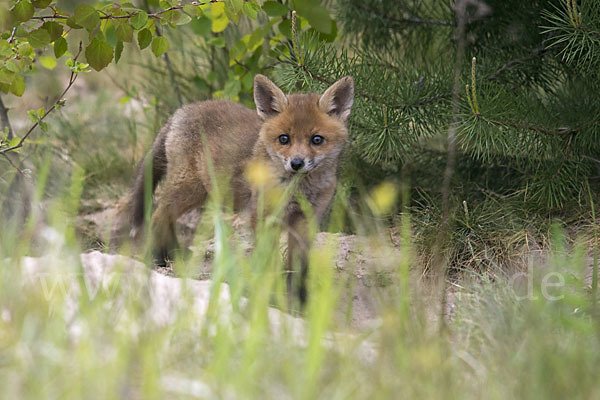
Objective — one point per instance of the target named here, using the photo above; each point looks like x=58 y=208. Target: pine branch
x=374 y=99
x=563 y=131
x=537 y=52
x=406 y=20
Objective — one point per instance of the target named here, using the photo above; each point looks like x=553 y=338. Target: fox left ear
x=269 y=99
x=338 y=98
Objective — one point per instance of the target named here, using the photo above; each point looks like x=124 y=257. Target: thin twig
x=127 y=16
x=12 y=164
x=537 y=52
x=12 y=35
x=72 y=79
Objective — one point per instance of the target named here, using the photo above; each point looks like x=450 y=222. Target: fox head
x=303 y=132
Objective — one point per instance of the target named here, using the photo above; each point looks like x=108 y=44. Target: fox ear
x=269 y=99
x=337 y=100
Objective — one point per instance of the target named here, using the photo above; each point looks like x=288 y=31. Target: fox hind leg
x=181 y=192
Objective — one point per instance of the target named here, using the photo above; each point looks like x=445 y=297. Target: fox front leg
x=297 y=257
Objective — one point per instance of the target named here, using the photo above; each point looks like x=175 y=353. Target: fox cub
x=297 y=135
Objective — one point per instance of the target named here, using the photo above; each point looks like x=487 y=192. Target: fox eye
x=317 y=140
x=284 y=139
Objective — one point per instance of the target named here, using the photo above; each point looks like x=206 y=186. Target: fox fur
x=227 y=137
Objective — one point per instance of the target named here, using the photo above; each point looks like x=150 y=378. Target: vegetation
x=471 y=178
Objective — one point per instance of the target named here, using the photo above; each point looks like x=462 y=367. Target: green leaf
x=327 y=37
x=18 y=86
x=12 y=66
x=39 y=38
x=110 y=33
x=232 y=89
x=217 y=41
x=185 y=19
x=192 y=10
x=275 y=9
x=220 y=23
x=217 y=9
x=238 y=50
x=23 y=11
x=138 y=21
x=124 y=32
x=171 y=16
x=41 y=3
x=144 y=38
x=160 y=45
x=48 y=62
x=33 y=116
x=201 y=26
x=118 y=51
x=233 y=16
x=251 y=9
x=54 y=29
x=285 y=27
x=234 y=6
x=316 y=14
x=5 y=48
x=60 y=47
x=72 y=24
x=14 y=141
x=86 y=16
x=98 y=54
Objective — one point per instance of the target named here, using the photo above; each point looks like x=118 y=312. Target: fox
x=297 y=137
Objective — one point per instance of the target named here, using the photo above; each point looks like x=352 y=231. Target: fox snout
x=297 y=164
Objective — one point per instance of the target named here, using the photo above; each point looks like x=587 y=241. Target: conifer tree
x=529 y=77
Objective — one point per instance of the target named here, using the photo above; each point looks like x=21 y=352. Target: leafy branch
x=76 y=68
x=156 y=14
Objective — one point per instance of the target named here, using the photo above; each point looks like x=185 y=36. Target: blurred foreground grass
x=66 y=334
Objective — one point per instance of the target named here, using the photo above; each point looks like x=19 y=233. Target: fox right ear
x=269 y=99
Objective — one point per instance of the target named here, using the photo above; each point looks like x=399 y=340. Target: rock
x=164 y=297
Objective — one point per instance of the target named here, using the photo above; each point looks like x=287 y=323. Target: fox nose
x=297 y=164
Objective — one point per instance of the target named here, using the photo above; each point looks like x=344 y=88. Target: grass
x=499 y=342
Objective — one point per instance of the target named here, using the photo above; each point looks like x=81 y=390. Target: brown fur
x=226 y=135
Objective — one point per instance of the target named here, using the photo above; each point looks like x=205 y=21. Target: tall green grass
x=505 y=337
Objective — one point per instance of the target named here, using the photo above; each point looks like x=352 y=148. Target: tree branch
x=72 y=79
x=534 y=54
x=150 y=15
x=563 y=131
x=403 y=106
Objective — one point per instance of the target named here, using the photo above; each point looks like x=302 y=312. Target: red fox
x=297 y=135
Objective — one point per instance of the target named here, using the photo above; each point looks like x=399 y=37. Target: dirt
x=365 y=267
